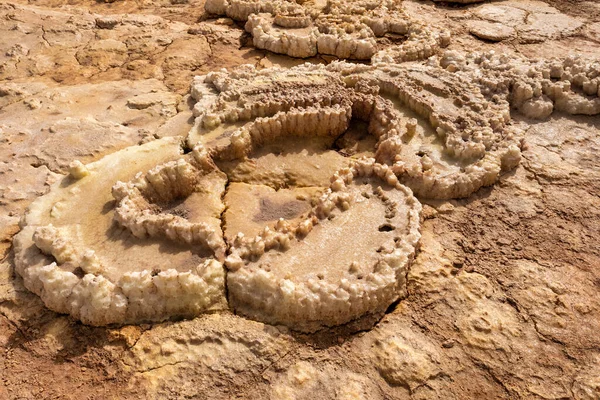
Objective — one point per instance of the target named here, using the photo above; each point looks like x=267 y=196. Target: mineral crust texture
x=342 y=28
x=435 y=129
x=535 y=88
x=299 y=199
x=72 y=254
x=321 y=155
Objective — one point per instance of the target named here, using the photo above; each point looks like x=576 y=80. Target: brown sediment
x=500 y=301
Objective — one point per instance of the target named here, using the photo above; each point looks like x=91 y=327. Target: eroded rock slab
x=525 y=22
x=494 y=31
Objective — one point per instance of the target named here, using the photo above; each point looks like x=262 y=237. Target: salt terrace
x=156 y=244
x=372 y=199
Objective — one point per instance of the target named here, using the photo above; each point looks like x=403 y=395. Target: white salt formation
x=300 y=275
x=299 y=187
x=139 y=202
x=535 y=88
x=462 y=142
x=71 y=253
x=342 y=28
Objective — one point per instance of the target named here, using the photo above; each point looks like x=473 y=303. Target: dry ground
x=504 y=296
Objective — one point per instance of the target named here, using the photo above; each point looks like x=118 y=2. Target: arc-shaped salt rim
x=95 y=300
x=346 y=29
x=76 y=282
x=222 y=96
x=308 y=122
x=480 y=134
x=534 y=87
x=165 y=183
x=474 y=130
x=315 y=303
x=421 y=44
x=292 y=15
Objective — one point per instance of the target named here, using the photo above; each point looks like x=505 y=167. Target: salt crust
x=308 y=302
x=468 y=141
x=465 y=101
x=534 y=87
x=342 y=28
x=74 y=282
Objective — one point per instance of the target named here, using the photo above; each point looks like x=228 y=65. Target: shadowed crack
x=13 y=324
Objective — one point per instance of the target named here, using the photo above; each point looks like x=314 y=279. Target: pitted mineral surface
x=289 y=272
x=342 y=28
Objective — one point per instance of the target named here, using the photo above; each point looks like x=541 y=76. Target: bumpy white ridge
x=343 y=28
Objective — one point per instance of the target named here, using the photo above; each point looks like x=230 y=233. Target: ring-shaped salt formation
x=297 y=273
x=347 y=257
x=364 y=276
x=141 y=257
x=139 y=200
x=441 y=136
x=71 y=253
x=347 y=29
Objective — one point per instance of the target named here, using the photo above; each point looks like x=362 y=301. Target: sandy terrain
x=502 y=300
